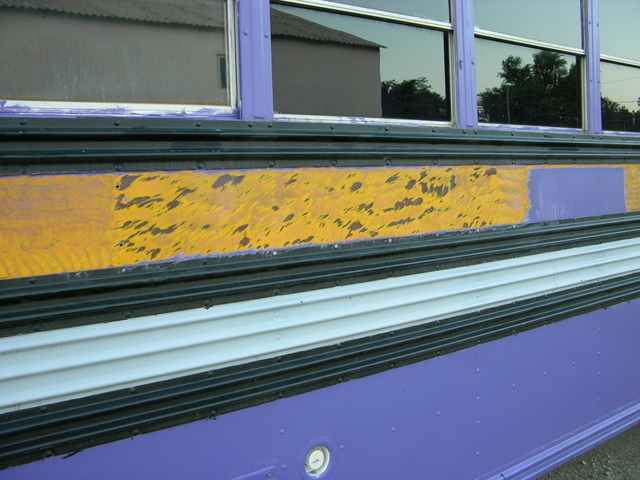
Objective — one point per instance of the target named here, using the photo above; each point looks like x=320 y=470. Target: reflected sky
x=621 y=84
x=408 y=53
x=619 y=30
x=553 y=21
x=431 y=9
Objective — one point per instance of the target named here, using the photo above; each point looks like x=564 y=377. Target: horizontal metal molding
x=47 y=367
x=71 y=426
x=60 y=301
x=36 y=145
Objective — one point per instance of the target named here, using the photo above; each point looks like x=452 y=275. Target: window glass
x=619 y=32
x=526 y=86
x=620 y=97
x=332 y=64
x=150 y=51
x=552 y=21
x=431 y=9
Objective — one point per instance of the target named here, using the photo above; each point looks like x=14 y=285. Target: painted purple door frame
x=592 y=65
x=464 y=64
x=254 y=60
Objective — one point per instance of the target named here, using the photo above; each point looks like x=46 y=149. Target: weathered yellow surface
x=71 y=223
x=53 y=224
x=632 y=187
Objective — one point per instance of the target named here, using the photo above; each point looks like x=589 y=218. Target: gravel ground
x=617 y=459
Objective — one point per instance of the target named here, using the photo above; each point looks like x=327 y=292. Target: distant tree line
x=546 y=93
x=413 y=99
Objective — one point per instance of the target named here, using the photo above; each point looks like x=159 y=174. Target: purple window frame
x=254 y=75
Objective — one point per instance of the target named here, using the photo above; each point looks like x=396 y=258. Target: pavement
x=617 y=459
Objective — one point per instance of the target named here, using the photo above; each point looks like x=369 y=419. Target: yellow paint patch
x=68 y=223
x=632 y=187
x=55 y=224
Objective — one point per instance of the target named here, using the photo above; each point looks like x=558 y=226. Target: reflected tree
x=545 y=92
x=413 y=99
x=619 y=117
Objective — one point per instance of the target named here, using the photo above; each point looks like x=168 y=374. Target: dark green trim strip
x=60 y=301
x=41 y=146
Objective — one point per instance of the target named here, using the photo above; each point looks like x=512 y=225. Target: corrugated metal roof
x=201 y=13
x=287 y=25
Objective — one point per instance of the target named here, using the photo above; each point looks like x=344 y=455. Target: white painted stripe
x=47 y=367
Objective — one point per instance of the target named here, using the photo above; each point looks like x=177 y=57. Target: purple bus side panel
x=562 y=193
x=465 y=415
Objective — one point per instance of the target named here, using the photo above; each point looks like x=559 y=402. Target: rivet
x=198 y=124
x=116 y=123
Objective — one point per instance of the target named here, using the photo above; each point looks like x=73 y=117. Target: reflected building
x=319 y=70
x=114 y=51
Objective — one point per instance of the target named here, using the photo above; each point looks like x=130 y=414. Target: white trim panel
x=47 y=367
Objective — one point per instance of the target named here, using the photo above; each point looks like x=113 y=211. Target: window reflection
x=152 y=51
x=551 y=21
x=431 y=9
x=620 y=97
x=331 y=64
x=619 y=33
x=525 y=86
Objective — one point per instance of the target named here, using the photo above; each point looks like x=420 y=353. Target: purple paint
x=465 y=415
x=77 y=112
x=561 y=193
x=254 y=60
x=464 y=55
x=592 y=65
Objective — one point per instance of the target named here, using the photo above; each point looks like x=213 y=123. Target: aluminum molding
x=47 y=367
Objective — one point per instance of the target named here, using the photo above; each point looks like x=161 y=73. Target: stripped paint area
x=632 y=187
x=71 y=223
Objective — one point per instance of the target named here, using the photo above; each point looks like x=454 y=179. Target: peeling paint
x=64 y=223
